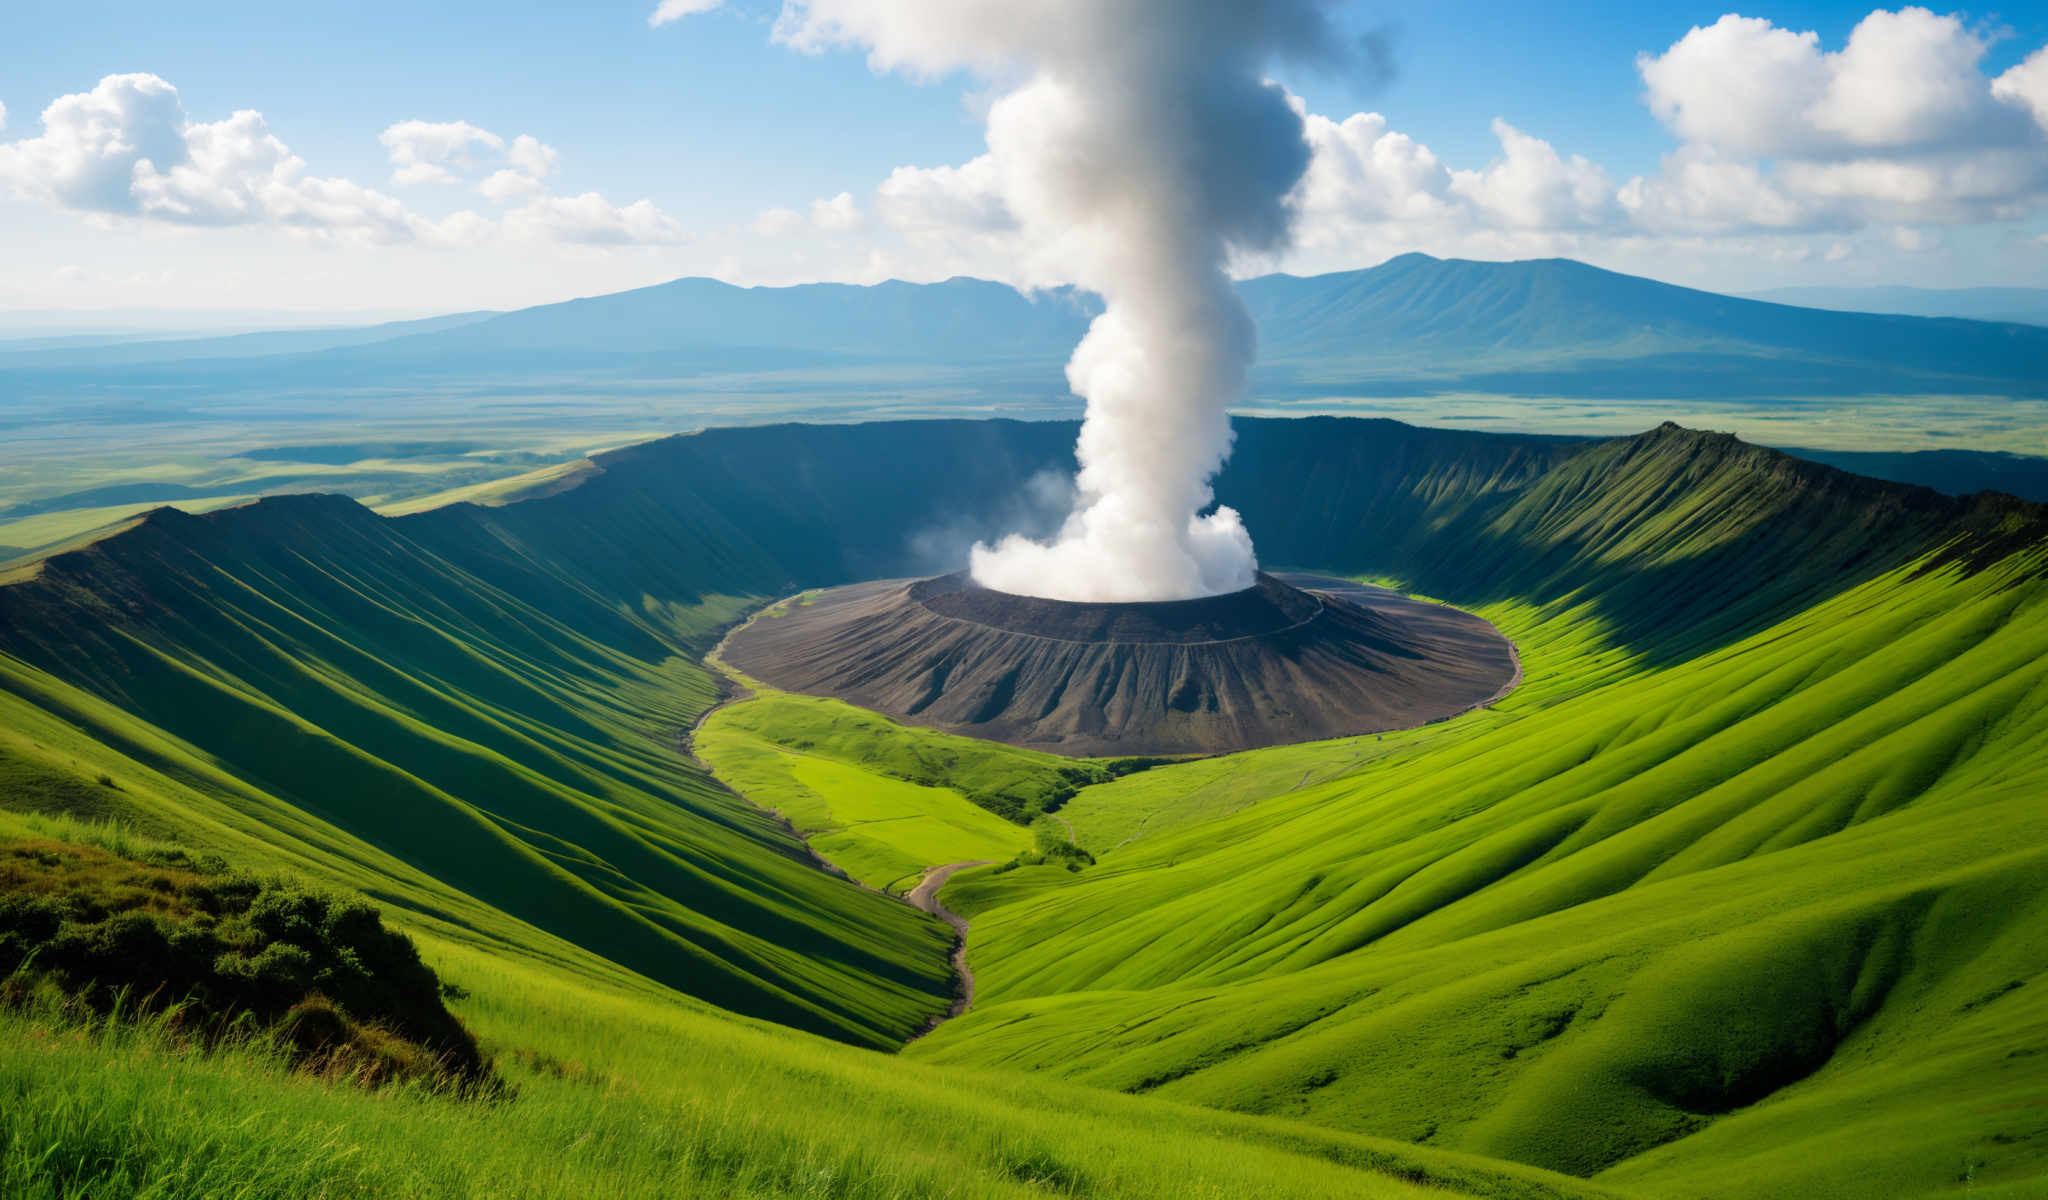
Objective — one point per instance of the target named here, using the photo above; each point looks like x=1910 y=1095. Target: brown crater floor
x=1290 y=659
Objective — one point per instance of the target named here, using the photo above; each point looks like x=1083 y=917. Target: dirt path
x=730 y=686
x=926 y=896
x=1064 y=825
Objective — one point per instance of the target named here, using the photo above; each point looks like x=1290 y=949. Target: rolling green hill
x=1740 y=894
x=508 y=735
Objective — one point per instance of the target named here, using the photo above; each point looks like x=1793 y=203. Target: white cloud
x=530 y=155
x=431 y=151
x=417 y=173
x=591 y=220
x=1779 y=138
x=444 y=152
x=676 y=10
x=1901 y=124
x=836 y=214
x=126 y=149
x=1531 y=186
x=3 y=116
x=92 y=141
x=840 y=214
x=967 y=198
x=1702 y=191
x=2026 y=85
x=1914 y=241
x=1905 y=79
x=777 y=222
x=1729 y=83
x=1362 y=171
x=508 y=184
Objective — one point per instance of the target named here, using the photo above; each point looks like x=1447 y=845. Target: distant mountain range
x=2015 y=304
x=1550 y=326
x=100 y=350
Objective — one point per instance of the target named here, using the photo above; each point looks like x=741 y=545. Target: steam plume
x=1141 y=147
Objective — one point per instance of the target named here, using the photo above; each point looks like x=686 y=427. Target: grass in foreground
x=227 y=955
x=636 y=1095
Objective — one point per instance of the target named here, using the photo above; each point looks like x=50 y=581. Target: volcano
x=1285 y=660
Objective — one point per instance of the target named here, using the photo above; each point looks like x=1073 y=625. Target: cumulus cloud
x=127 y=149
x=1778 y=136
x=2025 y=85
x=530 y=155
x=1532 y=186
x=840 y=214
x=945 y=199
x=778 y=222
x=507 y=184
x=1362 y=171
x=591 y=220
x=834 y=214
x=676 y=10
x=446 y=152
x=1900 y=124
x=431 y=151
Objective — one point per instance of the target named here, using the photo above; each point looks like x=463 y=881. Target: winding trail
x=926 y=896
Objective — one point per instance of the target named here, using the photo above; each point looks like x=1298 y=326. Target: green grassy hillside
x=623 y=1088
x=309 y=674
x=881 y=829
x=1680 y=911
x=1741 y=893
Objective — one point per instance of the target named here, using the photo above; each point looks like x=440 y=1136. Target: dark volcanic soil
x=1272 y=664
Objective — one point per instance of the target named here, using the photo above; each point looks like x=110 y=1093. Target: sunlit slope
x=638 y=1093
x=491 y=696
x=880 y=829
x=1686 y=910
x=1730 y=897
x=496 y=728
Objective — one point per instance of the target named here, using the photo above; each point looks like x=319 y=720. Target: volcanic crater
x=1289 y=659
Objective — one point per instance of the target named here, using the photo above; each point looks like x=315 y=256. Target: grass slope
x=879 y=829
x=1741 y=892
x=309 y=673
x=1678 y=923
x=627 y=1089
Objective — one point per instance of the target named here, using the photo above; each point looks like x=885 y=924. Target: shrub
x=341 y=993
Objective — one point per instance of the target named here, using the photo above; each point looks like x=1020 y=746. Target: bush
x=341 y=993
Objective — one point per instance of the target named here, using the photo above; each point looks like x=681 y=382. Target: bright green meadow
x=1742 y=893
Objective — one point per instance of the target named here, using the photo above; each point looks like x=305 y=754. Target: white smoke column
x=1141 y=149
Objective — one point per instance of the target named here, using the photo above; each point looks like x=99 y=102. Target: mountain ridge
x=1539 y=325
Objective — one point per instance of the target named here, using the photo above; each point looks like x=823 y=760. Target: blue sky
x=711 y=125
